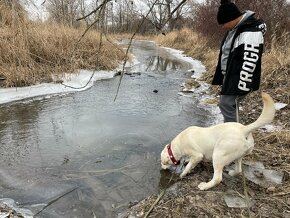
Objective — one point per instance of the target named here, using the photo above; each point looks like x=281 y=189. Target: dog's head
x=166 y=160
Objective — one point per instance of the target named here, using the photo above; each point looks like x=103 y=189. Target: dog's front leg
x=193 y=161
x=186 y=169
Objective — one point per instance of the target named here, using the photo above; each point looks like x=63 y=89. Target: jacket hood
x=250 y=20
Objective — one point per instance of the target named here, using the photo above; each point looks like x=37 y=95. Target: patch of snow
x=279 y=106
x=78 y=81
x=270 y=128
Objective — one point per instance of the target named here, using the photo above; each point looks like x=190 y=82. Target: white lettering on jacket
x=249 y=65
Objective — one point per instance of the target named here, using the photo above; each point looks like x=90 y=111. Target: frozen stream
x=82 y=154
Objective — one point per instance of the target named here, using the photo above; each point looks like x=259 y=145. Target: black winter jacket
x=244 y=62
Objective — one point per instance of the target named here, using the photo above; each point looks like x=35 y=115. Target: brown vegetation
x=32 y=52
x=274 y=13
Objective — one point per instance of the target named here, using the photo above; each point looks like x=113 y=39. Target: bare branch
x=94 y=11
x=177 y=7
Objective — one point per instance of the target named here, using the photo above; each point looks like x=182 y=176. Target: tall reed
x=32 y=52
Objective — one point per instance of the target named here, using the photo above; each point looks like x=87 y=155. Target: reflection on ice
x=158 y=63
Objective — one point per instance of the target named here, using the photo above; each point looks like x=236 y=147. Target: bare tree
x=64 y=11
x=83 y=9
x=166 y=13
x=124 y=13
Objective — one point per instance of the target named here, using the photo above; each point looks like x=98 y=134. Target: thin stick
x=54 y=200
x=155 y=203
x=94 y=11
x=159 y=198
x=243 y=175
x=281 y=193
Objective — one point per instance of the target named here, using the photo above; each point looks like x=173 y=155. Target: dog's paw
x=203 y=186
x=182 y=175
x=233 y=173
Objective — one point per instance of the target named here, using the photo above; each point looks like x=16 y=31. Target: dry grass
x=32 y=52
x=276 y=68
x=186 y=40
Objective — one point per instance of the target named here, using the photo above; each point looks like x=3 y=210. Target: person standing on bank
x=239 y=65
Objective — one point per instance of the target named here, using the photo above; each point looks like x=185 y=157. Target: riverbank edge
x=184 y=192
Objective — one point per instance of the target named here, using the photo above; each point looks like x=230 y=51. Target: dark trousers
x=229 y=106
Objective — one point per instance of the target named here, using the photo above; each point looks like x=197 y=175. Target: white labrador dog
x=221 y=144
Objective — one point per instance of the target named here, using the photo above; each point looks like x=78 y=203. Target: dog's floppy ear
x=165 y=160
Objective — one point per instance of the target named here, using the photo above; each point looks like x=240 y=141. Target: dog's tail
x=266 y=116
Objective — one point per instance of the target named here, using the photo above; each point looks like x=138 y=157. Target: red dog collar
x=171 y=155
